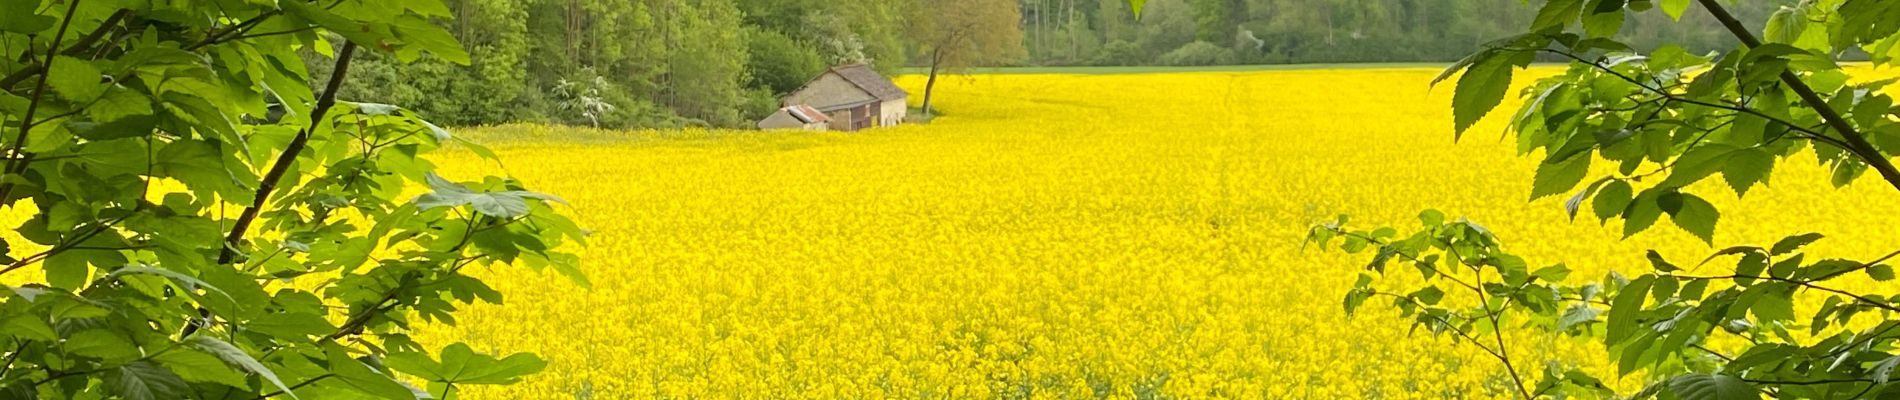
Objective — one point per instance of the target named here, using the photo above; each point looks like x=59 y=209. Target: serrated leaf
x=142 y=380
x=1480 y=90
x=1711 y=387
x=197 y=366
x=1625 y=308
x=461 y=365
x=355 y=374
x=1577 y=314
x=237 y=357
x=1611 y=199
x=1641 y=213
x=100 y=344
x=1790 y=244
x=75 y=79
x=1560 y=177
x=1881 y=272
x=1675 y=8
x=1697 y=217
x=1746 y=167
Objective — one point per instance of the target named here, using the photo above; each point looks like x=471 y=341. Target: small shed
x=855 y=97
x=798 y=116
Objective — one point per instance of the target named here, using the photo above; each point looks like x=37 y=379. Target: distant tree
x=960 y=34
x=780 y=63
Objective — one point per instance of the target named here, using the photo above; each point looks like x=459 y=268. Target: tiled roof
x=872 y=82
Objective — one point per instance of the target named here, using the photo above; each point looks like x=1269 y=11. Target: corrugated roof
x=806 y=114
x=872 y=82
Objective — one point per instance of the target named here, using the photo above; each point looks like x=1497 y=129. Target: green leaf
x=28 y=326
x=1698 y=163
x=1641 y=212
x=1553 y=179
x=418 y=35
x=1557 y=14
x=1790 y=244
x=67 y=269
x=1480 y=90
x=101 y=344
x=1675 y=8
x=507 y=204
x=362 y=377
x=1611 y=200
x=1746 y=167
x=75 y=79
x=1135 y=5
x=1711 y=387
x=1786 y=25
x=197 y=366
x=143 y=380
x=1656 y=260
x=1625 y=308
x=1430 y=295
x=461 y=365
x=1696 y=216
x=1752 y=264
x=1775 y=302
x=237 y=357
x=20 y=19
x=1881 y=272
x=120 y=103
x=1577 y=314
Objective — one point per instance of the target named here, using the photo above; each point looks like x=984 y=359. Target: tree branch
x=289 y=156
x=1856 y=142
x=78 y=47
x=18 y=149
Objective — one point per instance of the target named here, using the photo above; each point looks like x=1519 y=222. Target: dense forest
x=671 y=63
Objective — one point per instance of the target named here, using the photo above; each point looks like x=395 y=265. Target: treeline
x=631 y=63
x=671 y=63
x=1221 y=32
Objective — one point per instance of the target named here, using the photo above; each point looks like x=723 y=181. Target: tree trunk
x=930 y=86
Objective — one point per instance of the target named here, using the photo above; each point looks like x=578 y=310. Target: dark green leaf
x=1611 y=199
x=197 y=366
x=75 y=79
x=1790 y=244
x=19 y=17
x=144 y=380
x=237 y=357
x=1656 y=260
x=1625 y=308
x=1746 y=167
x=1881 y=272
x=1711 y=387
x=1696 y=216
x=101 y=344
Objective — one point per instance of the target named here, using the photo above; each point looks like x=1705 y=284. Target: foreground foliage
x=196 y=221
x=1669 y=119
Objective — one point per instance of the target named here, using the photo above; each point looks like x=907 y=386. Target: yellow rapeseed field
x=1056 y=236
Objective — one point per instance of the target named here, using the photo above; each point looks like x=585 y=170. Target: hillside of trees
x=723 y=63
